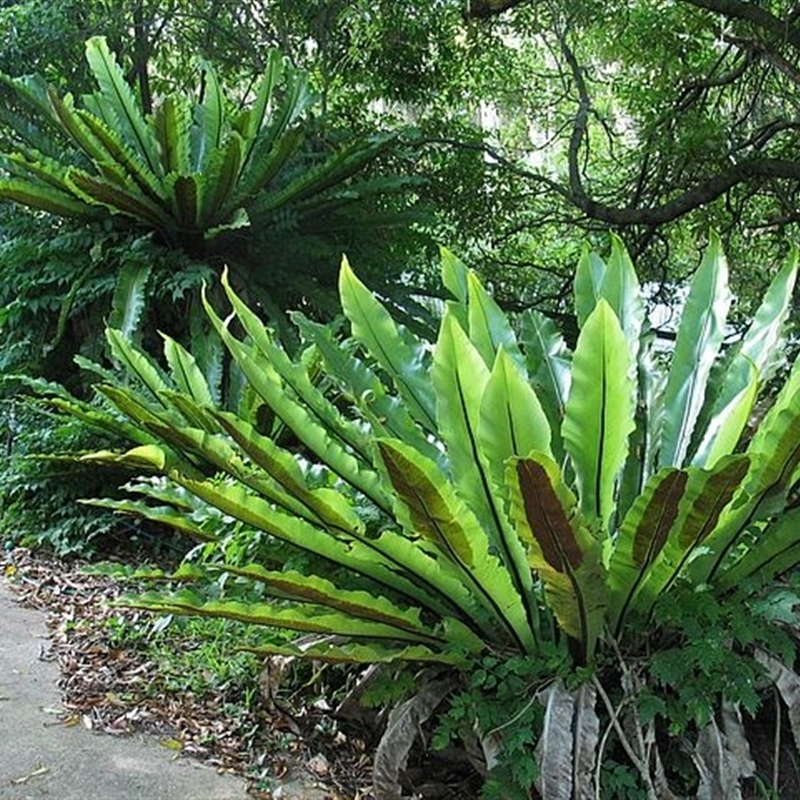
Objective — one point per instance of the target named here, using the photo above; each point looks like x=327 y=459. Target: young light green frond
x=459 y=376
x=512 y=420
x=731 y=384
x=765 y=335
x=588 y=282
x=489 y=328
x=730 y=412
x=401 y=354
x=549 y=367
x=620 y=287
x=454 y=275
x=599 y=414
x=700 y=335
x=119 y=96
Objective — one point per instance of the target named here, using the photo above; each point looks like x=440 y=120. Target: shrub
x=498 y=506
x=39 y=490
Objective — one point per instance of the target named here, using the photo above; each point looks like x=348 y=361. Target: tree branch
x=703 y=193
x=784 y=30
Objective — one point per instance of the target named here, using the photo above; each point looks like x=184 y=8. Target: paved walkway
x=41 y=758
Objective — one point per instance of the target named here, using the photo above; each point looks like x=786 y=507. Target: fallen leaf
x=319 y=765
x=113 y=699
x=25 y=778
x=171 y=744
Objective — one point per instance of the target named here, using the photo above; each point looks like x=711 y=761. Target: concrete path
x=41 y=758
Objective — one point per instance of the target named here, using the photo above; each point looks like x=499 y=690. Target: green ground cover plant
x=578 y=546
x=40 y=489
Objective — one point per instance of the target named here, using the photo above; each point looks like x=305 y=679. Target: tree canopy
x=658 y=120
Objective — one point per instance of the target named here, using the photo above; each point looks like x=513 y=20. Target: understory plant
x=40 y=488
x=260 y=185
x=493 y=507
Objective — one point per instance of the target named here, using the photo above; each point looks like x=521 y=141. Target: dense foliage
x=497 y=494
x=575 y=541
x=246 y=187
x=533 y=115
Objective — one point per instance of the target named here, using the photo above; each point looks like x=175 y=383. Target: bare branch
x=782 y=30
x=699 y=195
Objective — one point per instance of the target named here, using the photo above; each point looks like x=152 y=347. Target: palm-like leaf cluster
x=515 y=479
x=526 y=496
x=192 y=170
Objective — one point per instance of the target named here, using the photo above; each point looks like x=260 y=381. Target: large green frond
x=172 y=126
x=404 y=357
x=599 y=414
x=699 y=338
x=118 y=97
x=429 y=508
x=549 y=367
